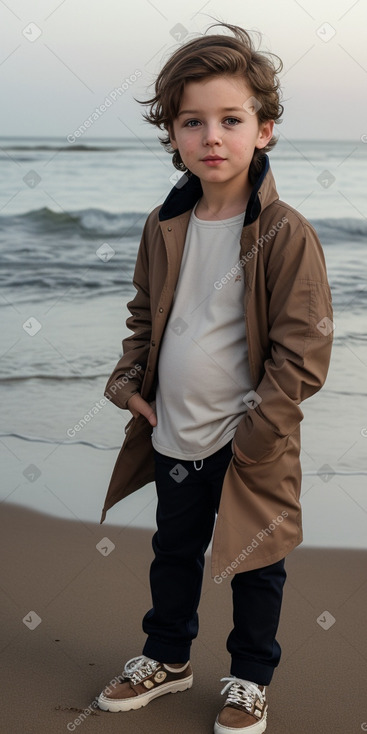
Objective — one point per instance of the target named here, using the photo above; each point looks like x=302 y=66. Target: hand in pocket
x=138 y=406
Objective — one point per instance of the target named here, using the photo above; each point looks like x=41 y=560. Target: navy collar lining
x=182 y=198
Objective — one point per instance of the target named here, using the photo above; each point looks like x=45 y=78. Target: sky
x=60 y=61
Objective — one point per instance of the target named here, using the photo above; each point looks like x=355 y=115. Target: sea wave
x=90 y=222
x=68 y=442
x=103 y=447
x=68 y=148
x=51 y=253
x=94 y=222
x=52 y=377
x=340 y=229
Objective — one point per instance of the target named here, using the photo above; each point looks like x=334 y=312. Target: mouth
x=213 y=158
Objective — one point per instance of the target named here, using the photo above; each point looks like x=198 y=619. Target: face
x=217 y=129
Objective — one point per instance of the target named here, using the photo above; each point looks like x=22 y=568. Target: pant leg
x=185 y=522
x=185 y=518
x=257 y=599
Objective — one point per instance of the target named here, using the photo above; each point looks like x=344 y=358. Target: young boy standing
x=231 y=331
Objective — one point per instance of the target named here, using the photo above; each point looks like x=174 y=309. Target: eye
x=191 y=123
x=232 y=121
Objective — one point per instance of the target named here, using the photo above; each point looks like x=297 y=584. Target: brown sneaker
x=142 y=680
x=245 y=709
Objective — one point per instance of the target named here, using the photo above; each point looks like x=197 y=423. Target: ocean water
x=63 y=306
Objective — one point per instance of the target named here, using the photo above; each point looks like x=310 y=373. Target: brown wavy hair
x=213 y=55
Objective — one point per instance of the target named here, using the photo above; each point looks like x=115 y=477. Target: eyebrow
x=224 y=109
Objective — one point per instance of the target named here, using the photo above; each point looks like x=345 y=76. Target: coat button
x=169 y=229
x=161 y=310
x=153 y=344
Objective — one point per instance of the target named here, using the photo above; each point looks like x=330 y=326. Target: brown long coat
x=288 y=317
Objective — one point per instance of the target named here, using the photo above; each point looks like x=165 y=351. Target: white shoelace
x=139 y=668
x=242 y=692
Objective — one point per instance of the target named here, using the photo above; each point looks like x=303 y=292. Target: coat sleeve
x=127 y=377
x=300 y=337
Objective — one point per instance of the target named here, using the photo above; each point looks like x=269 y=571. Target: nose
x=212 y=136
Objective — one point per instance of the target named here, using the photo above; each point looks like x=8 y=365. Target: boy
x=231 y=331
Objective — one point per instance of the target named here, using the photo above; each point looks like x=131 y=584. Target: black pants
x=188 y=499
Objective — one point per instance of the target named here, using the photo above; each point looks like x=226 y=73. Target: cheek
x=244 y=145
x=186 y=144
x=241 y=148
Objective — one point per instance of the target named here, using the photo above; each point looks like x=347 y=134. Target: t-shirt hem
x=177 y=454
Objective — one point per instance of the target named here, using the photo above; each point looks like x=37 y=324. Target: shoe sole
x=257 y=728
x=137 y=702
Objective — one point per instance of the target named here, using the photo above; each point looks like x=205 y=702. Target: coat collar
x=188 y=191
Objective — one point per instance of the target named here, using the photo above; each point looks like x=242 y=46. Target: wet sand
x=91 y=604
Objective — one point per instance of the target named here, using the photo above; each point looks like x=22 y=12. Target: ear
x=265 y=133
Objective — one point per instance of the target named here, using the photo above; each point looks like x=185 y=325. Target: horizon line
x=155 y=138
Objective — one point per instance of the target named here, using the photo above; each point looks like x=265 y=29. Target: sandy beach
x=71 y=616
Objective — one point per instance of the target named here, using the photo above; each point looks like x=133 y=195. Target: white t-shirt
x=203 y=370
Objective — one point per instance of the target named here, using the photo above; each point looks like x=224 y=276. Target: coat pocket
x=242 y=460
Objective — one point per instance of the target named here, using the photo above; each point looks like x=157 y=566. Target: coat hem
x=219 y=571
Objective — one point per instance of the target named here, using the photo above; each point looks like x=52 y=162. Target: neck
x=223 y=200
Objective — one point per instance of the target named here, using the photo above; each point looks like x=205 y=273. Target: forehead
x=220 y=93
